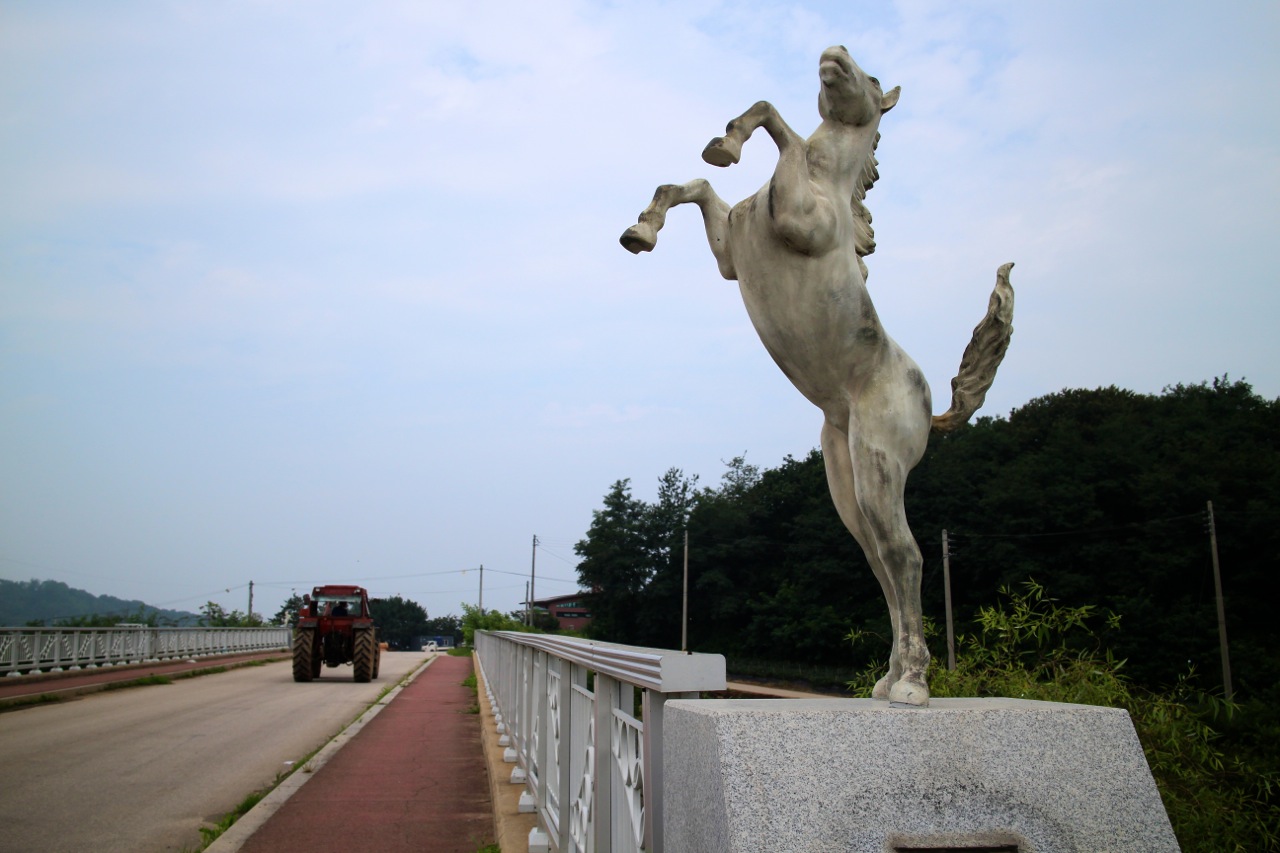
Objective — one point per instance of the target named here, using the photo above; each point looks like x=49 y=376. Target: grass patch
x=28 y=701
x=470 y=682
x=211 y=834
x=459 y=652
x=145 y=681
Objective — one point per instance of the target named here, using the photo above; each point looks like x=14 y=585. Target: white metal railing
x=566 y=710
x=35 y=650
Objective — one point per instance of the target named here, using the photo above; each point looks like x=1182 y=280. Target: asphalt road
x=142 y=769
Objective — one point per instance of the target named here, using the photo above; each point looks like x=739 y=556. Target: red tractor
x=335 y=627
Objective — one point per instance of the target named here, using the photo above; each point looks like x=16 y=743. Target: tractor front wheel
x=304 y=654
x=364 y=654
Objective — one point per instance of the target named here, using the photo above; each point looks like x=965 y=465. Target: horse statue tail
x=981 y=357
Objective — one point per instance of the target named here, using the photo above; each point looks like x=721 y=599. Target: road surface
x=142 y=769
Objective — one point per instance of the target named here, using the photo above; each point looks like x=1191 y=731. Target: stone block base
x=1013 y=776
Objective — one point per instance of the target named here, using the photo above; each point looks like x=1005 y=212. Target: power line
x=311 y=580
x=546 y=550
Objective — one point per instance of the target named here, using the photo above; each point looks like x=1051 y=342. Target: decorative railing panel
x=36 y=650
x=590 y=758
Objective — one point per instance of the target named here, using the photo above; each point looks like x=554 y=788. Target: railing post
x=564 y=753
x=653 y=703
x=526 y=705
x=537 y=751
x=606 y=692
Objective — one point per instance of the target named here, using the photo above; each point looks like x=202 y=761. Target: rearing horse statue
x=796 y=249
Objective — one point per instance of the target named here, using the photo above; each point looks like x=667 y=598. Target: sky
x=301 y=293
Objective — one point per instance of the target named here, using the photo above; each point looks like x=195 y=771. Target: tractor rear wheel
x=364 y=654
x=304 y=659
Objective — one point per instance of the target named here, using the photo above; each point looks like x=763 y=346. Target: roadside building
x=571 y=611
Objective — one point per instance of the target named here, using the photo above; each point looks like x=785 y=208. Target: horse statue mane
x=864 y=237
x=796 y=249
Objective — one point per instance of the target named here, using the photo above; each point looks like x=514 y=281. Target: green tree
x=141 y=616
x=542 y=620
x=1104 y=491
x=401 y=622
x=288 y=611
x=664 y=524
x=444 y=626
x=213 y=615
x=474 y=619
x=615 y=564
x=1101 y=490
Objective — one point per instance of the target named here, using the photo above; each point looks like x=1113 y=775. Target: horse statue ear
x=890 y=99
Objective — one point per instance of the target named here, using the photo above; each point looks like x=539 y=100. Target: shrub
x=474 y=619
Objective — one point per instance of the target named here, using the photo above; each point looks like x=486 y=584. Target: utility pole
x=533 y=572
x=1222 y=613
x=250 y=613
x=482 y=588
x=528 y=615
x=946 y=581
x=684 y=616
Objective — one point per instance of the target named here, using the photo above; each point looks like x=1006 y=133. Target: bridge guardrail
x=26 y=651
x=566 y=711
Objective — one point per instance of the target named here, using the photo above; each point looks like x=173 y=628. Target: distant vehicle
x=335 y=628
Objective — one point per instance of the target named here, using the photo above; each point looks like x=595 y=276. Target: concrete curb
x=511 y=827
x=128 y=673
x=250 y=822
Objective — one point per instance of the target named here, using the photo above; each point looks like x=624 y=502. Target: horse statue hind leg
x=868 y=450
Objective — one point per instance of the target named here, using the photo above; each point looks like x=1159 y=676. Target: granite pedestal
x=860 y=775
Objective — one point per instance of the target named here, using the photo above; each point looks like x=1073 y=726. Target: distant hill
x=50 y=602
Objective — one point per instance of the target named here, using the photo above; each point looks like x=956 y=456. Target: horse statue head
x=849 y=95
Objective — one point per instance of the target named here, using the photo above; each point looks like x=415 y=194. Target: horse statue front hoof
x=722 y=152
x=639 y=238
x=910 y=691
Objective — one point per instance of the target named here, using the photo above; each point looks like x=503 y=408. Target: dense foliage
x=474 y=619
x=288 y=612
x=1100 y=494
x=444 y=626
x=402 y=623
x=214 y=615
x=53 y=603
